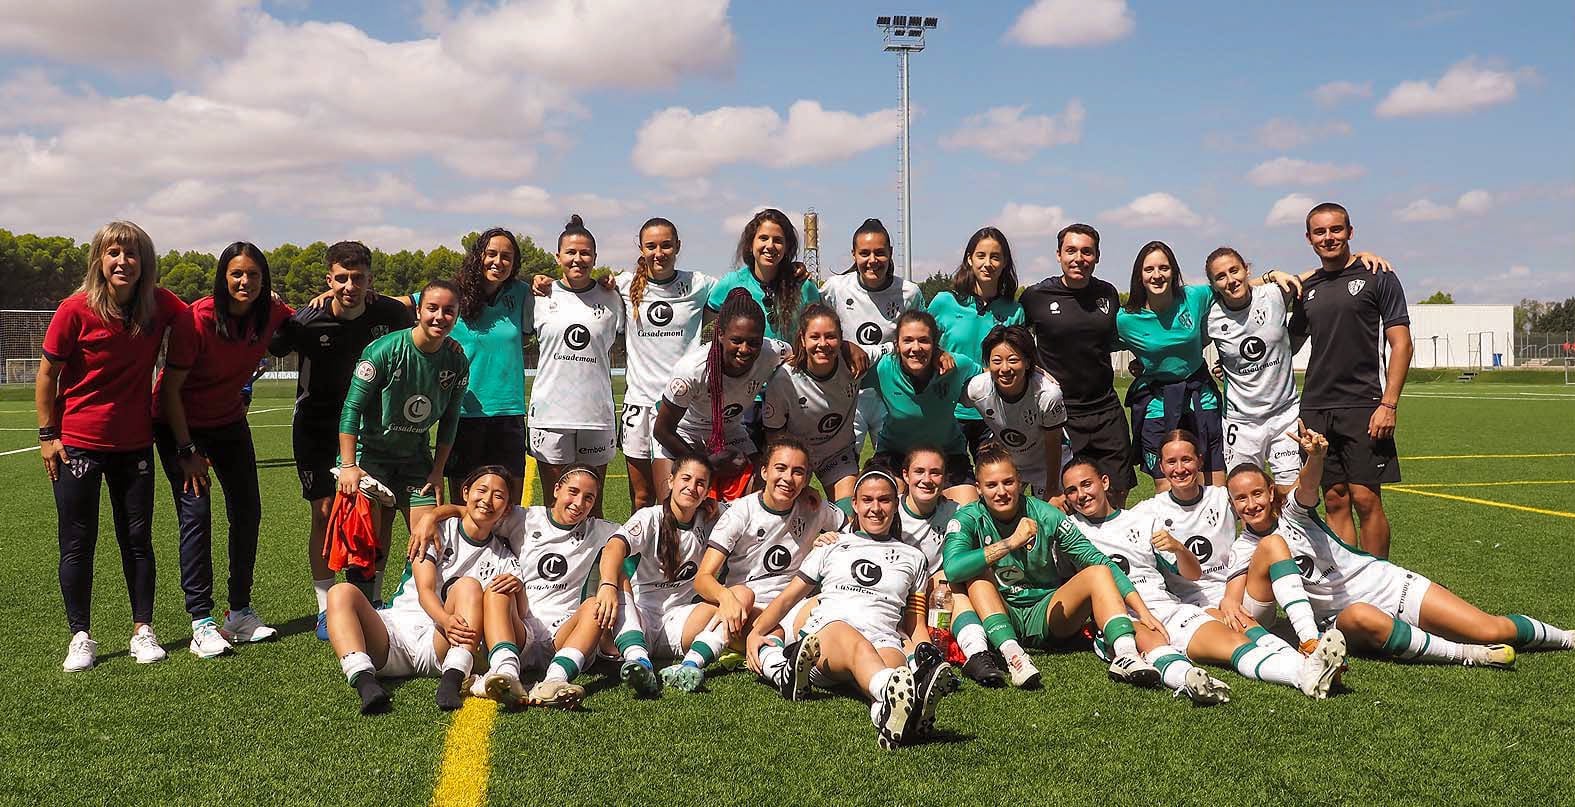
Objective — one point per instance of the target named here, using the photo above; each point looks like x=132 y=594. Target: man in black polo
x=1349 y=395
x=1074 y=321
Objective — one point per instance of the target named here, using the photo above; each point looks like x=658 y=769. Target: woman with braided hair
x=711 y=387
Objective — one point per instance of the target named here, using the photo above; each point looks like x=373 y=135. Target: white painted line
x=18 y=451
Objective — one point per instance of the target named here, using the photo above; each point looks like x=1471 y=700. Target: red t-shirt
x=219 y=368
x=107 y=374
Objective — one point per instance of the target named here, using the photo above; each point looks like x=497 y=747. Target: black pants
x=130 y=478
x=229 y=449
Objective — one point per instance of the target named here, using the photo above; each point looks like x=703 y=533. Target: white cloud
x=1470 y=202
x=1290 y=171
x=1290 y=209
x=1072 y=23
x=1477 y=201
x=1153 y=210
x=1335 y=92
x=1465 y=87
x=1284 y=133
x=170 y=35
x=625 y=43
x=1030 y=221
x=393 y=238
x=676 y=142
x=1005 y=133
x=734 y=224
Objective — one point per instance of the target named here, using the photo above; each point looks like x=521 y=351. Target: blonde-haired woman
x=95 y=424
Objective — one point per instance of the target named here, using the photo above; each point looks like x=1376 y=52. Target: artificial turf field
x=275 y=723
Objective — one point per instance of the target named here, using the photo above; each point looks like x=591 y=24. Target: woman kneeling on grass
x=432 y=627
x=1381 y=607
x=871 y=596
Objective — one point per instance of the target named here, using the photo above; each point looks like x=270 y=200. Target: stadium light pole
x=904 y=34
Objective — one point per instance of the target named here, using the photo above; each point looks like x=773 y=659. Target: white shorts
x=1266 y=444
x=836 y=467
x=637 y=431
x=877 y=636
x=734 y=435
x=410 y=650
x=1262 y=613
x=536 y=646
x=1035 y=477
x=867 y=419
x=1182 y=622
x=1395 y=590
x=664 y=631
x=593 y=447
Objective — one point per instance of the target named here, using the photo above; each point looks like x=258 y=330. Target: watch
x=186 y=451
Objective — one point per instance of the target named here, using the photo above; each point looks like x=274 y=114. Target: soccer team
x=996 y=496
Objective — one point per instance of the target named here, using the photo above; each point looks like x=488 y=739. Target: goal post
x=22 y=342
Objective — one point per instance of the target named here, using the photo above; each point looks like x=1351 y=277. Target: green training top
x=919 y=417
x=1169 y=344
x=397 y=393
x=965 y=324
x=1028 y=575
x=744 y=278
x=495 y=345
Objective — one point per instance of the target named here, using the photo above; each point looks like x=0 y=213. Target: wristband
x=343 y=465
x=609 y=583
x=1391 y=407
x=186 y=451
x=48 y=433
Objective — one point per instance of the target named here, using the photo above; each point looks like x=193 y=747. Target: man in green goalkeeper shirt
x=404 y=384
x=1034 y=578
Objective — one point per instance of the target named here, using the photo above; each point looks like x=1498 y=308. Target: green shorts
x=1031 y=623
x=405 y=478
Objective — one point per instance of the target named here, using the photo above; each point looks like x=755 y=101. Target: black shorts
x=959 y=469
x=1208 y=426
x=1102 y=436
x=1353 y=456
x=315 y=441
x=977 y=433
x=497 y=440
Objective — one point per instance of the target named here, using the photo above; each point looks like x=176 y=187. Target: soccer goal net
x=21 y=340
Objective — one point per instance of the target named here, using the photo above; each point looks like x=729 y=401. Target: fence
x=1544 y=348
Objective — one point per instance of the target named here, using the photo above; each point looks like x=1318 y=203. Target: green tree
x=935 y=284
x=1440 y=298
x=1558 y=317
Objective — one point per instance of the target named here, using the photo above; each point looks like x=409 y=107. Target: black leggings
x=229 y=449
x=130 y=478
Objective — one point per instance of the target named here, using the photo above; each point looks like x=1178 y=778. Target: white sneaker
x=82 y=654
x=505 y=689
x=1321 y=666
x=1203 y=689
x=145 y=646
x=245 y=625
x=1130 y=668
x=206 y=641
x=1024 y=674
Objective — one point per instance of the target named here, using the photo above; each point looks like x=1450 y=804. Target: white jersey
x=653 y=591
x=1255 y=352
x=1127 y=538
x=1020 y=425
x=1326 y=562
x=869 y=318
x=555 y=561
x=577 y=329
x=865 y=582
x=927 y=533
x=688 y=388
x=1207 y=528
x=764 y=547
x=461 y=557
x=665 y=328
x=815 y=410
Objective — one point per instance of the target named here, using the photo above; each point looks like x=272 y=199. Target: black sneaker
x=641 y=679
x=801 y=656
x=932 y=680
x=983 y=669
x=898 y=706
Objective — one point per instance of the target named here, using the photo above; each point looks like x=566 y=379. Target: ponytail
x=642 y=271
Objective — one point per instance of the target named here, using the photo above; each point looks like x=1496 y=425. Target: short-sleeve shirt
x=329 y=348
x=818 y=411
x=1127 y=538
x=869 y=316
x=654 y=591
x=1207 y=528
x=1343 y=315
x=1027 y=575
x=917 y=417
x=106 y=376
x=218 y=367
x=744 y=278
x=495 y=345
x=555 y=560
x=573 y=388
x=1075 y=330
x=665 y=328
x=927 y=533
x=400 y=392
x=764 y=547
x=689 y=388
x=1327 y=564
x=461 y=557
x=1255 y=353
x=864 y=581
x=1020 y=425
x=965 y=322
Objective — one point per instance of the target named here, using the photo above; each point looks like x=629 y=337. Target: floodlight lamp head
x=883 y=22
x=899 y=21
x=931 y=22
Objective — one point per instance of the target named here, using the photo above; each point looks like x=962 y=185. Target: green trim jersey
x=1255 y=352
x=927 y=533
x=495 y=345
x=665 y=328
x=1020 y=425
x=744 y=278
x=865 y=581
x=920 y=417
x=461 y=557
x=689 y=389
x=653 y=591
x=1169 y=344
x=964 y=325
x=1127 y=538
x=399 y=392
x=1027 y=575
x=817 y=410
x=555 y=560
x=764 y=547
x=1207 y=528
x=869 y=317
x=1327 y=564
x=573 y=388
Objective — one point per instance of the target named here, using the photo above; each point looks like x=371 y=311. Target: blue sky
x=1442 y=125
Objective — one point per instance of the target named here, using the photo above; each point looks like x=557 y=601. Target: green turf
x=275 y=723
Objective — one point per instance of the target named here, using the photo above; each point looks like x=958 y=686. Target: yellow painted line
x=1489 y=456
x=1489 y=484
x=1470 y=500
x=467 y=750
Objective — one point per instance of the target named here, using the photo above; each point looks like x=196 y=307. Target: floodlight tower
x=904 y=34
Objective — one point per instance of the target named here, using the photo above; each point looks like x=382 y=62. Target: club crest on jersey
x=1253 y=348
x=868 y=333
x=1311 y=293
x=418 y=408
x=866 y=572
x=1200 y=548
x=777 y=559
x=1185 y=319
x=1212 y=516
x=1013 y=438
x=830 y=423
x=1259 y=316
x=366 y=371
x=379 y=331
x=552 y=566
x=660 y=313
x=446 y=378
x=577 y=336
x=1104 y=306
x=1355 y=286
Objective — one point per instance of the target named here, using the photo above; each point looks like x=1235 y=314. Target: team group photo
x=839 y=501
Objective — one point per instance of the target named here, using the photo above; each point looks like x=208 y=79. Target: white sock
x=879 y=680
x=1171 y=663
x=875 y=712
x=1286 y=580
x=707 y=645
x=504 y=660
x=1534 y=634
x=1011 y=649
x=1414 y=644
x=320 y=588
x=773 y=662
x=1262 y=664
x=460 y=659
x=972 y=640
x=1126 y=645
x=356 y=663
x=565 y=665
x=1268 y=640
